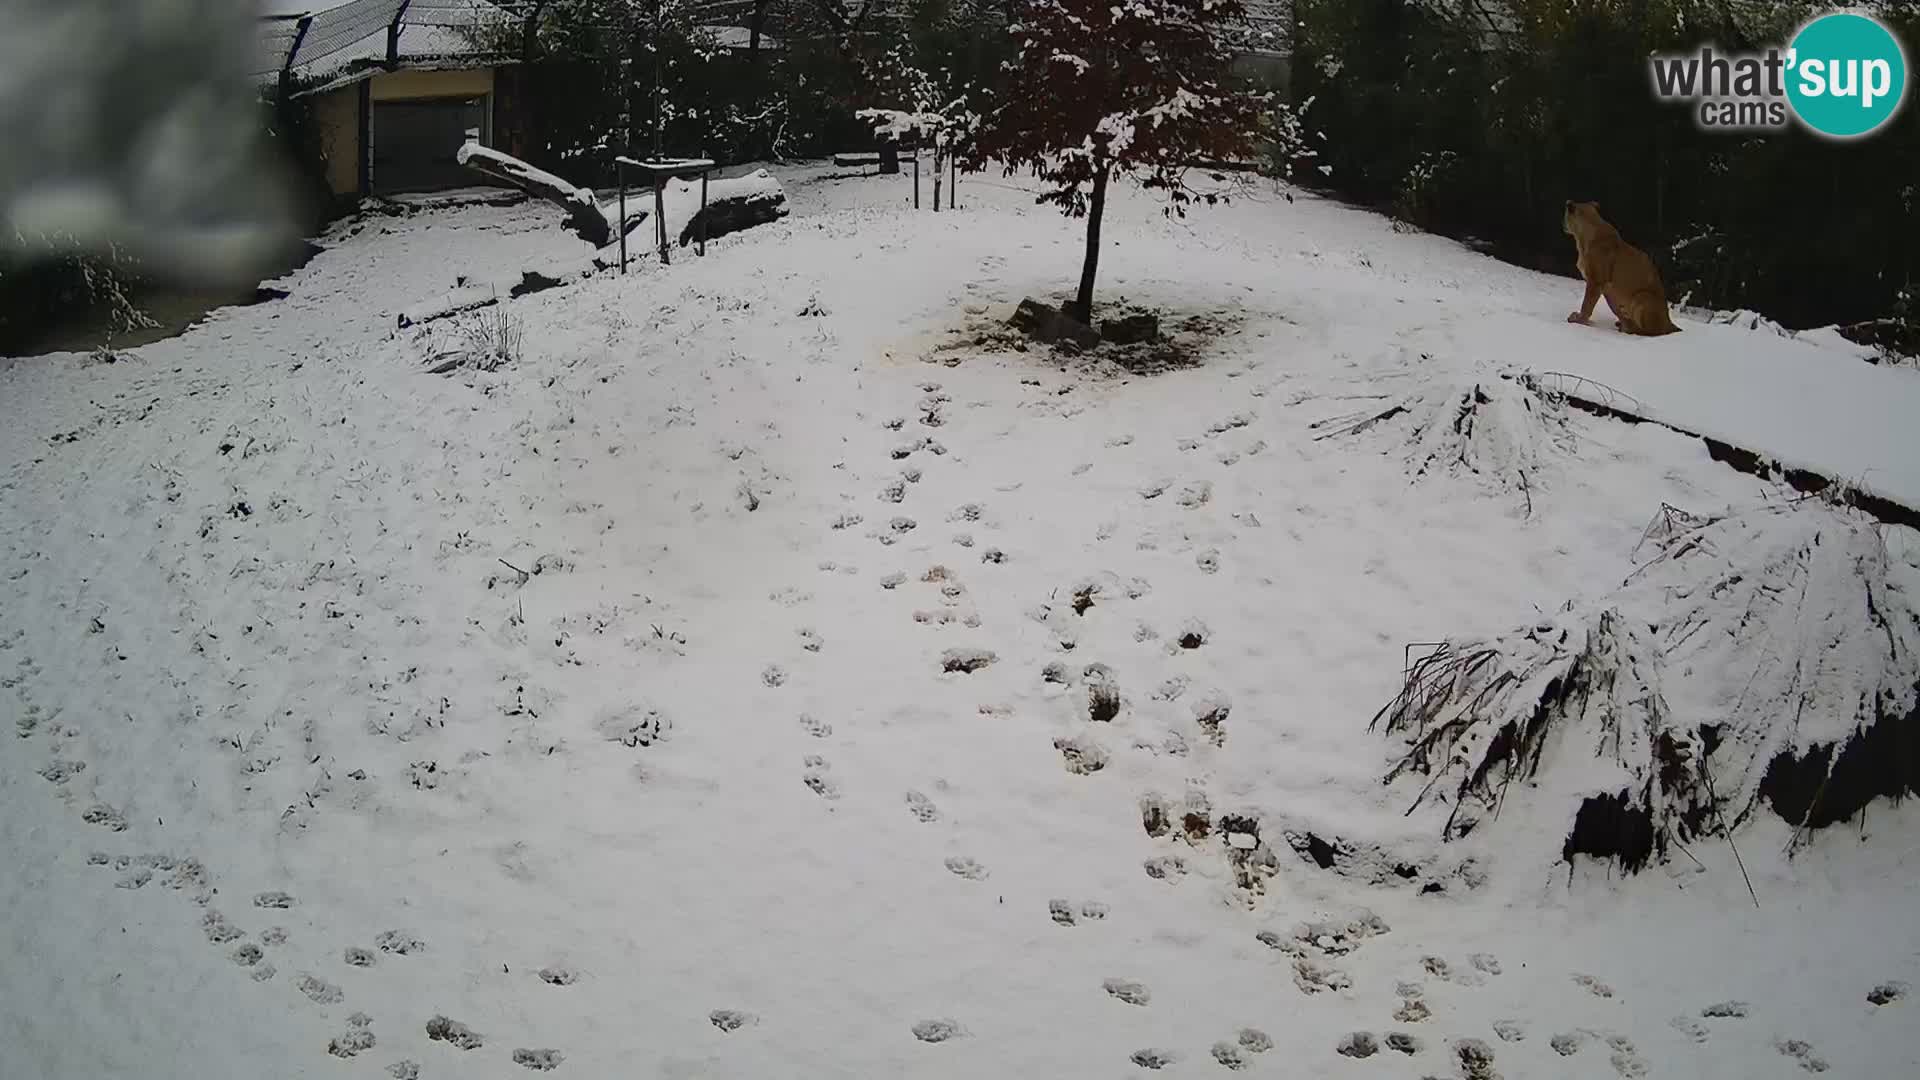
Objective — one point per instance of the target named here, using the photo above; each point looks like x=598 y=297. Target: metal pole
x=704 y=173
x=660 y=213
x=937 y=170
x=620 y=168
x=953 y=185
x=393 y=34
x=916 y=170
x=293 y=50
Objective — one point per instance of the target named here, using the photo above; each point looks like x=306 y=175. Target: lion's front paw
x=1576 y=317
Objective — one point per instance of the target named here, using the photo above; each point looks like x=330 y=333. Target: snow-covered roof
x=348 y=40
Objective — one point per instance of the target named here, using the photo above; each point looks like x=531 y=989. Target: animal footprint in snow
x=922 y=807
x=135 y=878
x=398 y=942
x=1803 y=1053
x=1475 y=1058
x=1208 y=561
x=1155 y=815
x=1402 y=1042
x=274 y=936
x=1593 y=986
x=354 y=956
x=819 y=729
x=730 y=1020
x=1210 y=712
x=936 y=1031
x=1725 y=1010
x=1127 y=990
x=59 y=772
x=1083 y=756
x=276 y=899
x=1153 y=1058
x=454 y=1033
x=1412 y=1010
x=557 y=976
x=1510 y=1030
x=1485 y=962
x=353 y=1041
x=319 y=990
x=1691 y=1028
x=1103 y=693
x=965 y=867
x=1165 y=867
x=849 y=520
x=1567 y=1043
x=965 y=661
x=1193 y=634
x=773 y=675
x=1061 y=911
x=218 y=930
x=1229 y=1055
x=105 y=816
x=810 y=640
x=1357 y=1044
x=404 y=1070
x=1313 y=977
x=246 y=955
x=820 y=783
x=1195 y=494
x=1888 y=992
x=633 y=725
x=1155 y=488
x=538 y=1060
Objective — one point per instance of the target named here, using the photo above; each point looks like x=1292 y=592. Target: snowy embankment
x=1805 y=404
x=757 y=675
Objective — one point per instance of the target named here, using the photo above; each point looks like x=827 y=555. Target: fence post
x=293 y=50
x=393 y=35
x=620 y=171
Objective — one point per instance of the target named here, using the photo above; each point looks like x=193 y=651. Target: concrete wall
x=336 y=115
x=416 y=85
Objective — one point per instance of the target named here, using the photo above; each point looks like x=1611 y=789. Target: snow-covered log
x=1768 y=658
x=732 y=205
x=471 y=295
x=585 y=217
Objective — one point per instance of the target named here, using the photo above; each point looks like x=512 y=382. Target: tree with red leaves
x=1101 y=88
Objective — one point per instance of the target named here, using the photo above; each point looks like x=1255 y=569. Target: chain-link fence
x=303 y=47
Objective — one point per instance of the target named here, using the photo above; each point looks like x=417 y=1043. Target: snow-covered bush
x=1502 y=429
x=1768 y=657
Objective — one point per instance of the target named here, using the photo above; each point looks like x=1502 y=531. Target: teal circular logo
x=1846 y=75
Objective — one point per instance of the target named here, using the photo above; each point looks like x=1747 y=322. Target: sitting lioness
x=1617 y=270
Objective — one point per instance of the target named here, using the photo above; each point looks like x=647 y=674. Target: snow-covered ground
x=597 y=705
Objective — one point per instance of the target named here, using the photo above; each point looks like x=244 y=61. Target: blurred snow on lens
x=136 y=125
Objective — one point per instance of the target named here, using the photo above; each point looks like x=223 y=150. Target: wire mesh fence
x=311 y=43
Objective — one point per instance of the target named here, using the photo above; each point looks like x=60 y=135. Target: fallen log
x=732 y=205
x=469 y=296
x=585 y=217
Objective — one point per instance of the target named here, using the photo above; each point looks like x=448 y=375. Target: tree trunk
x=757 y=21
x=1096 y=205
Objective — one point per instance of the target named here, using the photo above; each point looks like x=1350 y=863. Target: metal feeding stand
x=659 y=171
